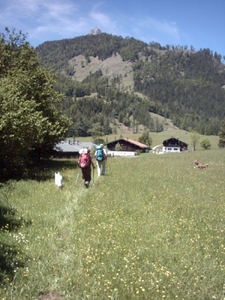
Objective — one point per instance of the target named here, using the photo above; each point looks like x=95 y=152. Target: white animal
x=58 y=179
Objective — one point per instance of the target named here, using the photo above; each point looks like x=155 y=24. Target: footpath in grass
x=151 y=228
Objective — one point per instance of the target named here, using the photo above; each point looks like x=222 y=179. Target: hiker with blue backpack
x=100 y=156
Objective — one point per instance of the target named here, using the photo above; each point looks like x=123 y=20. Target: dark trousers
x=86 y=174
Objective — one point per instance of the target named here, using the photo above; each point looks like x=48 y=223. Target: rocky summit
x=95 y=31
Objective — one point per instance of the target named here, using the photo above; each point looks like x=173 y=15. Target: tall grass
x=151 y=228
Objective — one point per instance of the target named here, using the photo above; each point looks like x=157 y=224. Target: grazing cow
x=197 y=164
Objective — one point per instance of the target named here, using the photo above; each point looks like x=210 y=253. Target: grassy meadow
x=151 y=228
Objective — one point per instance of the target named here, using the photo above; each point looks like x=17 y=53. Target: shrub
x=205 y=144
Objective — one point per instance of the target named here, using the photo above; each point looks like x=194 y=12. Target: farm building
x=70 y=149
x=128 y=145
x=174 y=145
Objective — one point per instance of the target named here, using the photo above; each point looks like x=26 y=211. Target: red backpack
x=84 y=160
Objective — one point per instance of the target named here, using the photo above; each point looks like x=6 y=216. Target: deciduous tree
x=31 y=121
x=194 y=138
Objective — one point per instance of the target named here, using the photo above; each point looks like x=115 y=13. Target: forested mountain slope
x=108 y=78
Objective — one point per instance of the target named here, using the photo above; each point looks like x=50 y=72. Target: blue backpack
x=100 y=156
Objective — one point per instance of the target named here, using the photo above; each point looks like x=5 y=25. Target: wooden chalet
x=128 y=145
x=174 y=145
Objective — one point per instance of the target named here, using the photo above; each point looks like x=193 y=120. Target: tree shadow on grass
x=9 y=222
x=39 y=170
x=9 y=263
x=45 y=170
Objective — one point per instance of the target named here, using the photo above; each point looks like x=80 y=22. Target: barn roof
x=65 y=146
x=141 y=145
x=174 y=140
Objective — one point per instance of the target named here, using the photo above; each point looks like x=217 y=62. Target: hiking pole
x=93 y=176
x=77 y=178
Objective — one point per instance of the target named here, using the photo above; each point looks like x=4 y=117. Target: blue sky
x=174 y=22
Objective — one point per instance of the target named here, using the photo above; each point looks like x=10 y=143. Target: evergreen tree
x=221 y=143
x=118 y=147
x=145 y=138
x=96 y=132
x=182 y=85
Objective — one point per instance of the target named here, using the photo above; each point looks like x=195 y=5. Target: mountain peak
x=95 y=31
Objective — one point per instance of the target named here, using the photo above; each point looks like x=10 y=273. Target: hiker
x=101 y=156
x=85 y=162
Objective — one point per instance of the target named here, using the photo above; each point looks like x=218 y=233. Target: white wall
x=121 y=153
x=171 y=149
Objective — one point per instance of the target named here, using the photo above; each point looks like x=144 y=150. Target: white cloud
x=60 y=12
x=169 y=28
x=100 y=18
x=52 y=19
x=103 y=22
x=44 y=19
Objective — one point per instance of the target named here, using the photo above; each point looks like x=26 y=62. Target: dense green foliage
x=222 y=135
x=177 y=83
x=31 y=121
x=57 y=53
x=205 y=144
x=188 y=86
x=108 y=105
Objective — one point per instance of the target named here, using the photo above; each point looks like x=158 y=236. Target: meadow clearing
x=159 y=137
x=152 y=228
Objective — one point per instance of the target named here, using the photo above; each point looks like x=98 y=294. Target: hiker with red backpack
x=85 y=162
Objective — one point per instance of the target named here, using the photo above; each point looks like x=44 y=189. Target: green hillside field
x=151 y=228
